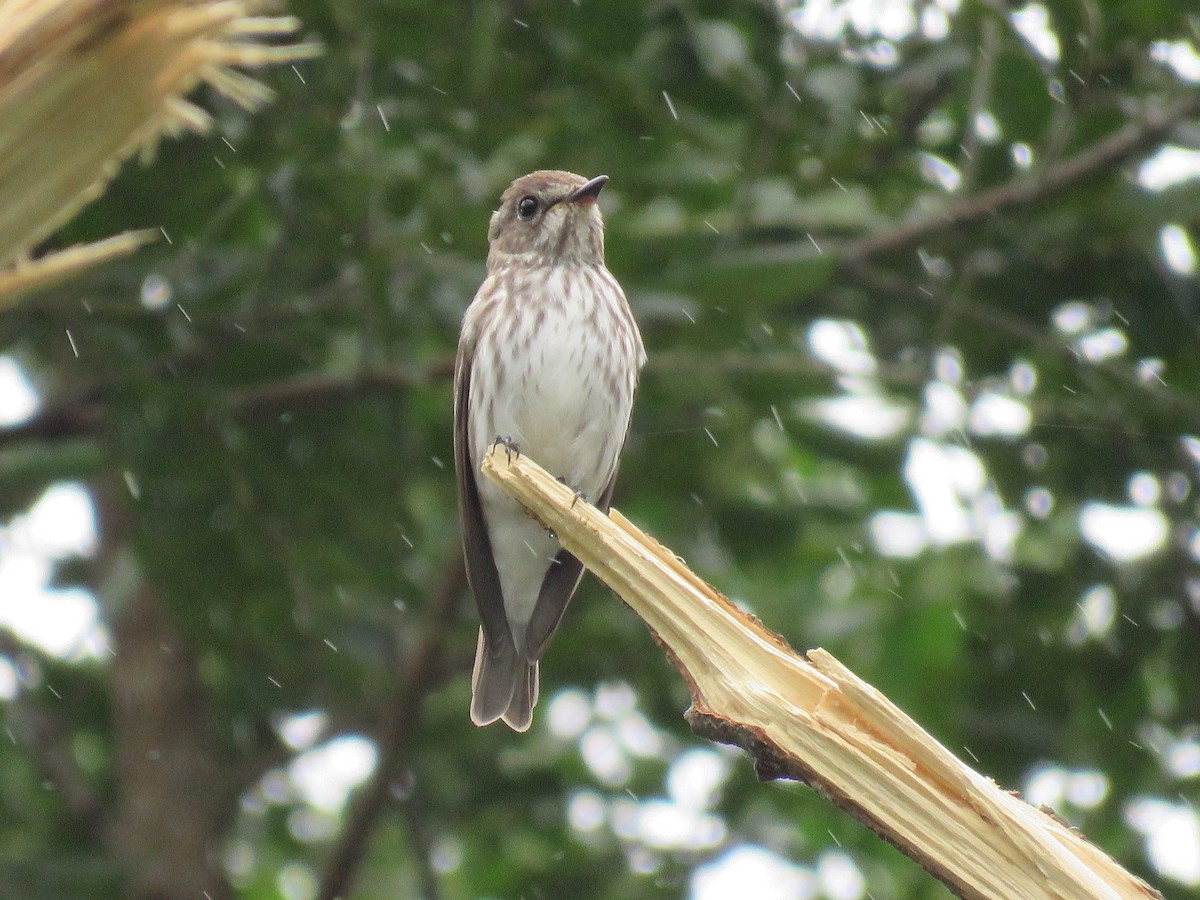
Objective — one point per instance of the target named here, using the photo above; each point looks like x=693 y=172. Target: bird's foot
x=579 y=495
x=510 y=447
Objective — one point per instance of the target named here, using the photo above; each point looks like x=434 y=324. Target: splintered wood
x=811 y=719
x=84 y=84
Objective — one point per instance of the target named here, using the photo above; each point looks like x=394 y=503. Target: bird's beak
x=589 y=191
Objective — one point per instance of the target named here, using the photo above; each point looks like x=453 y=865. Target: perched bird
x=548 y=362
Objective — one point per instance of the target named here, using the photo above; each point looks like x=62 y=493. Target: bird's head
x=548 y=218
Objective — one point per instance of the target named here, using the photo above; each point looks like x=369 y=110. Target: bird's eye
x=527 y=207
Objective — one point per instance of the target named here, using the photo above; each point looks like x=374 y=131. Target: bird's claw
x=510 y=447
x=579 y=495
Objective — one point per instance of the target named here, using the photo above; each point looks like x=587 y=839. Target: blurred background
x=918 y=282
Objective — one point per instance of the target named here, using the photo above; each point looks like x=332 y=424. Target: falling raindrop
x=670 y=106
x=1150 y=370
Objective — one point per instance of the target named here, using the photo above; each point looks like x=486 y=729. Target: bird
x=548 y=361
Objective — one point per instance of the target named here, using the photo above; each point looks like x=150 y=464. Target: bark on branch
x=811 y=719
x=1110 y=151
x=423 y=671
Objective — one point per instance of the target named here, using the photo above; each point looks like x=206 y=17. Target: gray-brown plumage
x=548 y=359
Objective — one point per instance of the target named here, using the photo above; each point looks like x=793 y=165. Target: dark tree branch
x=1095 y=376
x=174 y=789
x=84 y=416
x=423 y=671
x=77 y=417
x=299 y=390
x=980 y=98
x=789 y=364
x=1111 y=151
x=419 y=841
x=885 y=283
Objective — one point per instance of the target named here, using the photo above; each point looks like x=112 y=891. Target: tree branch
x=808 y=717
x=423 y=671
x=1094 y=375
x=1104 y=154
x=980 y=97
x=419 y=841
x=299 y=390
x=76 y=417
x=84 y=415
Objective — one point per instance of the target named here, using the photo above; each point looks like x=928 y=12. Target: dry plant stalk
x=26 y=276
x=811 y=719
x=84 y=84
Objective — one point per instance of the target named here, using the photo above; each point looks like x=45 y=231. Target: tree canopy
x=918 y=284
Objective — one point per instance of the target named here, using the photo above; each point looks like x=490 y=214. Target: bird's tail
x=503 y=685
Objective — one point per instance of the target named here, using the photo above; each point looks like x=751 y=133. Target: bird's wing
x=477 y=547
x=562 y=578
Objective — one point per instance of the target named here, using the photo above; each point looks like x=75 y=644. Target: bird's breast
x=564 y=371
